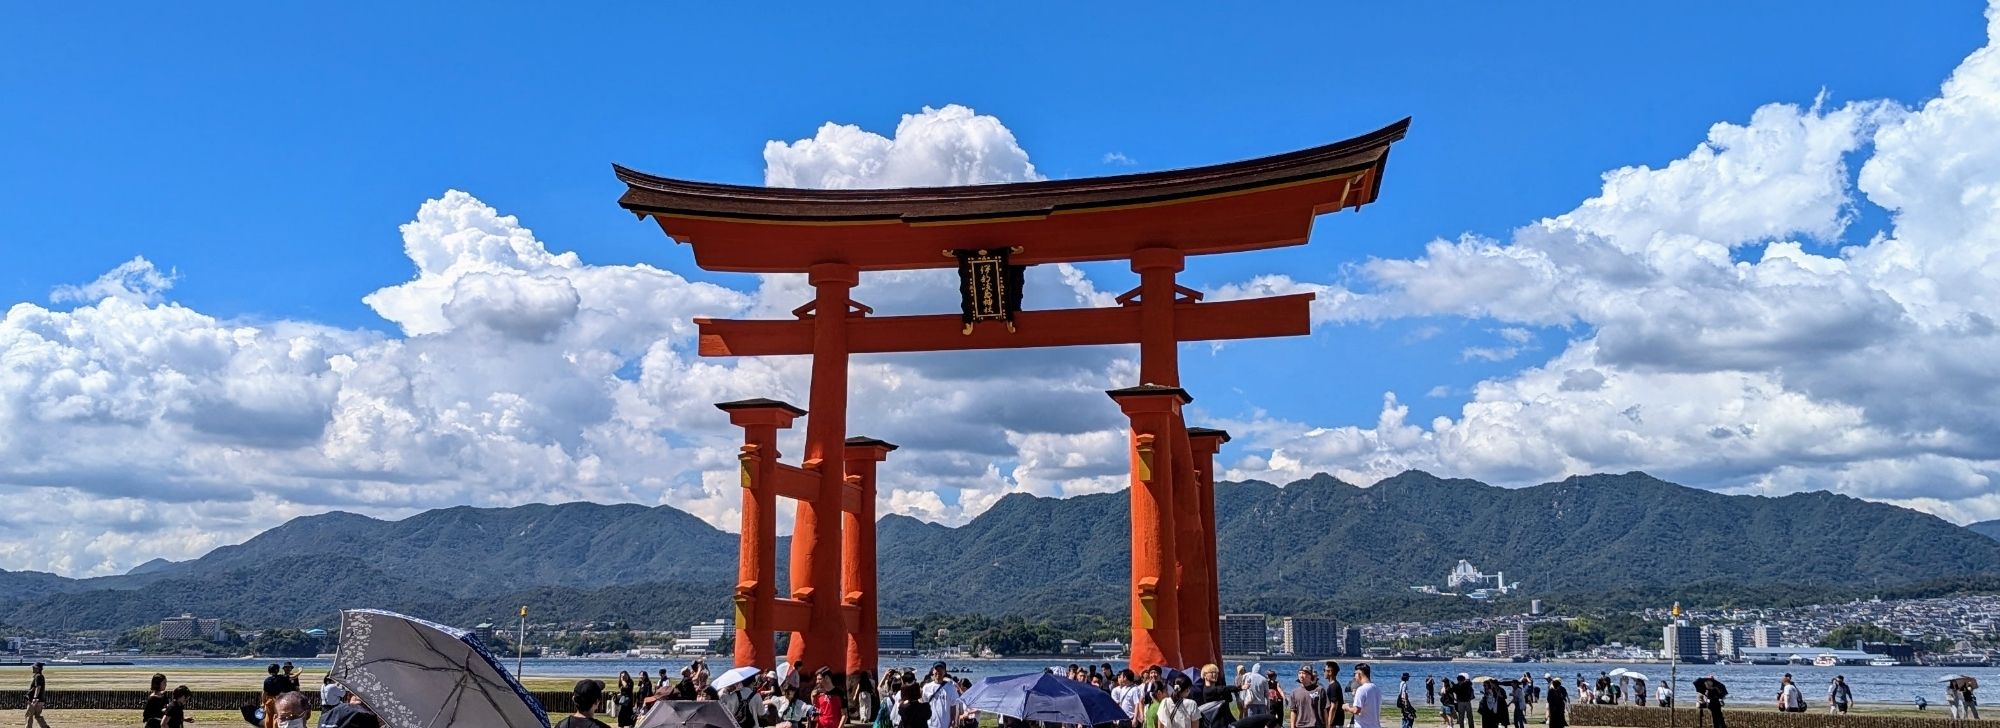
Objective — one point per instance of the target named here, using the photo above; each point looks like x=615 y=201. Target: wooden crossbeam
x=796 y=483
x=1252 y=318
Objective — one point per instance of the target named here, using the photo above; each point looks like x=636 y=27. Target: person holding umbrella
x=1711 y=692
x=738 y=699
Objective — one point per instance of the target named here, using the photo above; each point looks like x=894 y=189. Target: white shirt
x=332 y=694
x=1179 y=713
x=1368 y=699
x=1790 y=697
x=1127 y=697
x=943 y=697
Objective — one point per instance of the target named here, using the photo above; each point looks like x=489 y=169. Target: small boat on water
x=1883 y=662
x=1825 y=660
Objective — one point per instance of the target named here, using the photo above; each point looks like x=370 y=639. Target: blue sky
x=267 y=155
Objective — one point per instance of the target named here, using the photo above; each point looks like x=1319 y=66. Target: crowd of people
x=788 y=698
x=1158 y=697
x=1508 y=703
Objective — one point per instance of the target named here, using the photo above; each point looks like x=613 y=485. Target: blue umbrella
x=1043 y=697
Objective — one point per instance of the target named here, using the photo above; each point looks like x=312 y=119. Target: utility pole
x=521 y=645
x=1674 y=671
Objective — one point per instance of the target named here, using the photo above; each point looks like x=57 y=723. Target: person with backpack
x=942 y=695
x=1403 y=703
x=1790 y=698
x=741 y=703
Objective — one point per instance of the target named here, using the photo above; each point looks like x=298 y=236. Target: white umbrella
x=1949 y=678
x=419 y=674
x=735 y=675
x=1617 y=672
x=687 y=714
x=1637 y=676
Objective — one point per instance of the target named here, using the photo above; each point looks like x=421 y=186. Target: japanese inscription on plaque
x=989 y=287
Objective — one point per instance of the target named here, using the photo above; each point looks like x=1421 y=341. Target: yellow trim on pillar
x=1149 y=597
x=746 y=466
x=1145 y=457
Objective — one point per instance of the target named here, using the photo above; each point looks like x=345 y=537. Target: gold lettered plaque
x=989 y=286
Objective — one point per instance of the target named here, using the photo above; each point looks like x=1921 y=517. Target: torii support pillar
x=1192 y=540
x=1206 y=443
x=757 y=566
x=1155 y=589
x=857 y=573
x=815 y=565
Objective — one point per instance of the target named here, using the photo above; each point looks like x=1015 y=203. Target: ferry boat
x=1826 y=660
x=1883 y=662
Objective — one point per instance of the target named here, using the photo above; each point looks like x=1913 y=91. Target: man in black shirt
x=38 y=688
x=275 y=684
x=1334 y=697
x=588 y=696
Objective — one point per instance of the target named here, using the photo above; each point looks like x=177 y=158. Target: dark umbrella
x=254 y=715
x=1043 y=697
x=418 y=674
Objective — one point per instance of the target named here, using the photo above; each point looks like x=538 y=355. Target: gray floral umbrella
x=418 y=674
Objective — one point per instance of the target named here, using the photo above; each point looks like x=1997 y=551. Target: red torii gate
x=1155 y=220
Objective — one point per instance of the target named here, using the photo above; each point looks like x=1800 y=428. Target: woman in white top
x=1178 y=710
x=793 y=712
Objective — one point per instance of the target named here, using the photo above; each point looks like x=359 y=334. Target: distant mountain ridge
x=1989 y=529
x=1315 y=546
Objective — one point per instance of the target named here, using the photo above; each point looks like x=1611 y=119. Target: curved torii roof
x=1252 y=204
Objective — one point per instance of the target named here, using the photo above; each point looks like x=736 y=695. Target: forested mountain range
x=1316 y=546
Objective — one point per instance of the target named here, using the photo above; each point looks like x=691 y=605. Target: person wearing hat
x=38 y=688
x=1305 y=706
x=589 y=698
